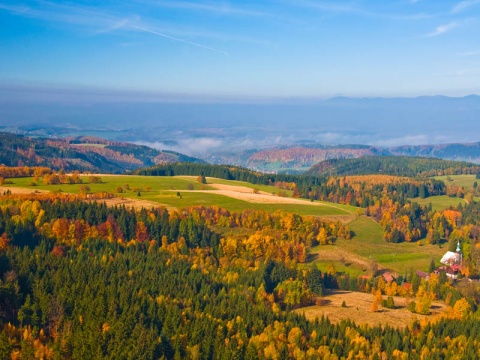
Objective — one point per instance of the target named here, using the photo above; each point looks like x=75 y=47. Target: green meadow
x=367 y=246
x=440 y=202
x=460 y=180
x=352 y=256
x=165 y=190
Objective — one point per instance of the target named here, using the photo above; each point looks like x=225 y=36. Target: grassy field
x=266 y=188
x=164 y=190
x=358 y=309
x=443 y=202
x=440 y=202
x=460 y=180
x=356 y=256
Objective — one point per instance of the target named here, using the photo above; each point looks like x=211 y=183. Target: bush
x=411 y=306
x=389 y=303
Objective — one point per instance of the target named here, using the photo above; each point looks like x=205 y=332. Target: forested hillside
x=301 y=157
x=81 y=280
x=393 y=165
x=297 y=158
x=462 y=152
x=82 y=154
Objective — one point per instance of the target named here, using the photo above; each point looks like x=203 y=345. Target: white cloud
x=96 y=21
x=188 y=146
x=443 y=29
x=461 y=6
x=420 y=139
x=214 y=7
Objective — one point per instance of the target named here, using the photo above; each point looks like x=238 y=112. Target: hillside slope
x=82 y=153
x=392 y=165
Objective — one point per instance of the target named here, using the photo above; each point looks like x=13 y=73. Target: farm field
x=460 y=180
x=355 y=256
x=440 y=202
x=359 y=254
x=184 y=191
x=358 y=310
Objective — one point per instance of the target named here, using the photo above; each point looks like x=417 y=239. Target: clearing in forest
x=184 y=191
x=358 y=309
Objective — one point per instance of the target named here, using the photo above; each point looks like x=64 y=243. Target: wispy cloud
x=443 y=29
x=95 y=21
x=354 y=9
x=461 y=6
x=140 y=28
x=327 y=6
x=212 y=7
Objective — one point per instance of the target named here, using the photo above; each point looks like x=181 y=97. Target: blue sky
x=285 y=48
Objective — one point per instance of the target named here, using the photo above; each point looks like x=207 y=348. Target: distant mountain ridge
x=85 y=153
x=302 y=157
x=461 y=152
x=392 y=165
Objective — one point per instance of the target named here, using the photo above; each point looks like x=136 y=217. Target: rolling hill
x=82 y=153
x=392 y=165
x=299 y=157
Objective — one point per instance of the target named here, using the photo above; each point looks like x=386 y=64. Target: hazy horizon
x=244 y=73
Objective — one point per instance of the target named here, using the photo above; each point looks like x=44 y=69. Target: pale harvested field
x=246 y=194
x=358 y=310
x=19 y=190
x=135 y=203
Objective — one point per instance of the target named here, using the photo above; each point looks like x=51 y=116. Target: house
x=423 y=275
x=388 y=277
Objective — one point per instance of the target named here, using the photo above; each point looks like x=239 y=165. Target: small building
x=388 y=277
x=450 y=271
x=423 y=275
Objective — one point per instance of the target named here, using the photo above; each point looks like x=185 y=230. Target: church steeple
x=458 y=247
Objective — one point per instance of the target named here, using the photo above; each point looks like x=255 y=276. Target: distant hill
x=84 y=153
x=462 y=152
x=302 y=157
x=392 y=165
x=299 y=158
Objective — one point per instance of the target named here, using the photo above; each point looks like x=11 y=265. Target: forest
x=81 y=153
x=393 y=165
x=83 y=280
x=79 y=279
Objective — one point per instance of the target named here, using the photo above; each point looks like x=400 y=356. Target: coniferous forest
x=86 y=281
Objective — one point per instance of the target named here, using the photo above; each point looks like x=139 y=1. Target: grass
x=353 y=256
x=368 y=246
x=440 y=202
x=266 y=188
x=443 y=201
x=341 y=266
x=358 y=309
x=460 y=180
x=163 y=190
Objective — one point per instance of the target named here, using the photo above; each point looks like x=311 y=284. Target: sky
x=243 y=49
